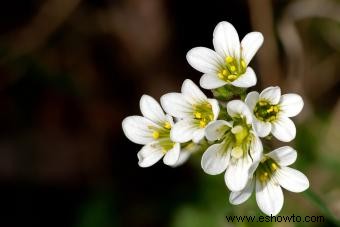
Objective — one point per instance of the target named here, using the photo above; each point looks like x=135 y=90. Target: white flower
x=272 y=111
x=153 y=131
x=188 y=149
x=193 y=109
x=228 y=64
x=239 y=150
x=271 y=174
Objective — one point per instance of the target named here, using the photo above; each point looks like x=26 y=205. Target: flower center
x=241 y=138
x=203 y=113
x=160 y=132
x=264 y=111
x=232 y=69
x=166 y=144
x=266 y=169
x=162 y=135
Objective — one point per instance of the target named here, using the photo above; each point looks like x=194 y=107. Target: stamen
x=264 y=176
x=155 y=135
x=274 y=166
x=229 y=59
x=232 y=68
x=198 y=115
x=167 y=125
x=262 y=103
x=202 y=123
x=265 y=111
x=271 y=109
x=225 y=72
x=232 y=77
x=243 y=64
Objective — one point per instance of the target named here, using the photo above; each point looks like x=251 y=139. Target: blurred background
x=71 y=70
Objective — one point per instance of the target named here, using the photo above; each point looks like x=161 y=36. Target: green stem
x=317 y=201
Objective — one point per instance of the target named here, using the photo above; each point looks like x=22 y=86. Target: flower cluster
x=227 y=128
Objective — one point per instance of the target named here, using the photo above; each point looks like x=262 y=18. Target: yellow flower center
x=162 y=135
x=232 y=69
x=203 y=113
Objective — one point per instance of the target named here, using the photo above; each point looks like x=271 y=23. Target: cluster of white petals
x=228 y=131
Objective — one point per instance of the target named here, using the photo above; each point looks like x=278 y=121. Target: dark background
x=72 y=70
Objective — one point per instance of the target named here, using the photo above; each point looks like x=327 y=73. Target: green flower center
x=203 y=113
x=232 y=69
x=264 y=111
x=266 y=169
x=162 y=134
x=240 y=134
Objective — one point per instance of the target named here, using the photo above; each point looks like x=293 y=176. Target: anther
x=155 y=135
x=202 y=123
x=262 y=103
x=232 y=77
x=167 y=125
x=198 y=115
x=274 y=166
x=243 y=64
x=229 y=59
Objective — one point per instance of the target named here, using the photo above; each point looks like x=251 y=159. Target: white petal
x=250 y=45
x=248 y=79
x=172 y=156
x=284 y=129
x=183 y=131
x=136 y=129
x=169 y=119
x=291 y=179
x=252 y=99
x=216 y=129
x=291 y=104
x=211 y=81
x=237 y=174
x=284 y=156
x=204 y=60
x=269 y=197
x=236 y=108
x=239 y=197
x=176 y=105
x=186 y=153
x=215 y=159
x=272 y=94
x=262 y=128
x=255 y=150
x=226 y=40
x=215 y=107
x=151 y=109
x=192 y=92
x=150 y=154
x=183 y=158
x=198 y=135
